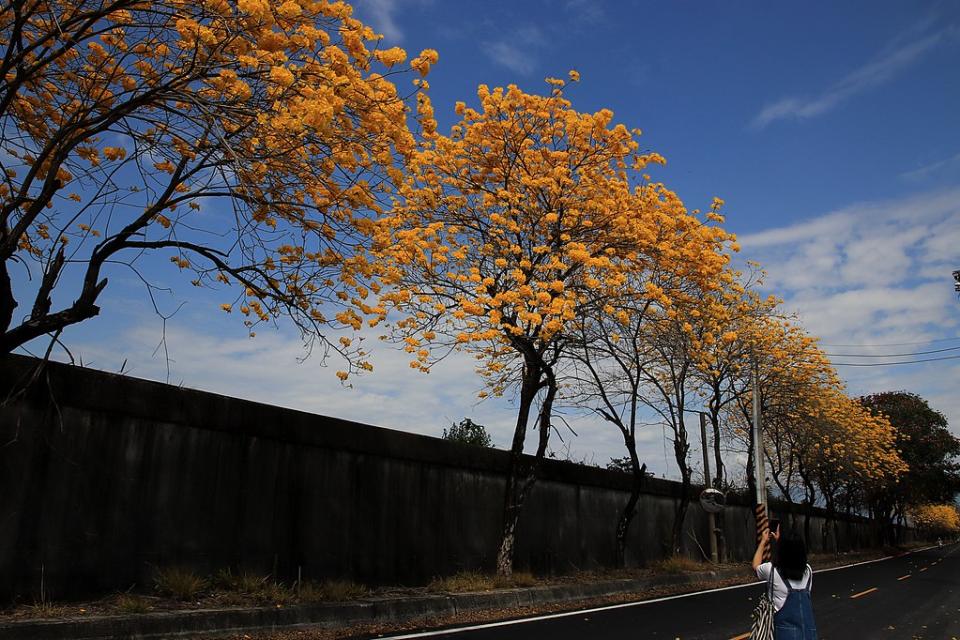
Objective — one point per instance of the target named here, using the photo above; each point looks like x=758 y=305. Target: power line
x=890 y=355
x=891 y=344
x=884 y=364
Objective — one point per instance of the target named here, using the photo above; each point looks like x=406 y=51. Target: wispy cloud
x=585 y=11
x=929 y=170
x=511 y=57
x=382 y=16
x=518 y=51
x=886 y=65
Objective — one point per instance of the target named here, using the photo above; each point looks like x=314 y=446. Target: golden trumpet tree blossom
x=248 y=141
x=660 y=314
x=936 y=519
x=527 y=213
x=734 y=317
x=519 y=218
x=814 y=434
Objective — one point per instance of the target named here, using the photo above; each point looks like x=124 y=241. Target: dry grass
x=243 y=582
x=47 y=610
x=475 y=581
x=332 y=591
x=523 y=579
x=463 y=581
x=127 y=603
x=262 y=589
x=179 y=583
x=676 y=564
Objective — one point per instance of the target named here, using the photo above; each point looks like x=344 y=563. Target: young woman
x=792 y=581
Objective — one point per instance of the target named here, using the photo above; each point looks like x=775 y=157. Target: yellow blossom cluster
x=525 y=214
x=936 y=519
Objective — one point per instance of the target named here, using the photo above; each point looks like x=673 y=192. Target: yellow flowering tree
x=527 y=213
x=936 y=519
x=248 y=141
x=814 y=435
x=735 y=315
x=849 y=448
x=926 y=444
x=614 y=347
x=789 y=366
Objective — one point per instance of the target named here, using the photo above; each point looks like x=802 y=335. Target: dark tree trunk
x=680 y=450
x=523 y=475
x=831 y=523
x=811 y=497
x=629 y=510
x=751 y=476
x=680 y=515
x=518 y=474
x=717 y=457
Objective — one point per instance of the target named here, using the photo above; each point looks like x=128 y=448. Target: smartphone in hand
x=774 y=526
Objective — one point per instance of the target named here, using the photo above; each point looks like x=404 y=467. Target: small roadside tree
x=926 y=446
x=468 y=432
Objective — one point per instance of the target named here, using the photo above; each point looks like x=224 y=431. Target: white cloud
x=511 y=57
x=382 y=17
x=865 y=244
x=887 y=65
x=517 y=52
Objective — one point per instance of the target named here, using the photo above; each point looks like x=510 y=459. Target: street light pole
x=711 y=518
x=759 y=474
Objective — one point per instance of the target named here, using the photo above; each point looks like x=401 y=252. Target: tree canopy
x=468 y=432
x=249 y=142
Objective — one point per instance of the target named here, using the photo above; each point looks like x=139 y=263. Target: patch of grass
x=263 y=589
x=243 y=582
x=179 y=583
x=523 y=579
x=475 y=581
x=275 y=593
x=676 y=564
x=127 y=603
x=462 y=581
x=47 y=610
x=332 y=591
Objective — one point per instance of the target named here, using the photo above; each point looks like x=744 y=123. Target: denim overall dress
x=794 y=620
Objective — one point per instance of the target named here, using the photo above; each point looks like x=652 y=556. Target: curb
x=181 y=624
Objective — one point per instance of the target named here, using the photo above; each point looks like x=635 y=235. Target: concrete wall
x=103 y=478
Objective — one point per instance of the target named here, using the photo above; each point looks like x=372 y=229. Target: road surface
x=916 y=596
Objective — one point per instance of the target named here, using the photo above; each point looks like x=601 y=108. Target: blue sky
x=867 y=91
x=832 y=130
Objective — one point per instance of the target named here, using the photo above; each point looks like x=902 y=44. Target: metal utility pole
x=759 y=472
x=711 y=518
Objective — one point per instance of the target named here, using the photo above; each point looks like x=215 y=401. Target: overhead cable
x=890 y=355
x=886 y=364
x=891 y=344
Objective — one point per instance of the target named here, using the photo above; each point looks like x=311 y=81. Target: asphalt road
x=916 y=596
